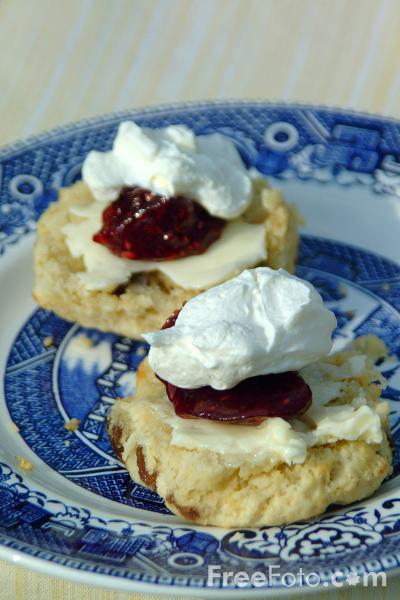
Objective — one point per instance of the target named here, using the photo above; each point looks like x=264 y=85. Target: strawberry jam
x=170 y=322
x=140 y=225
x=284 y=395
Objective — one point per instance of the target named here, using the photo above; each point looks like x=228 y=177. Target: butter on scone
x=161 y=217
x=250 y=420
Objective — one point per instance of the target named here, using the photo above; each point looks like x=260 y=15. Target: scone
x=201 y=486
x=96 y=285
x=280 y=470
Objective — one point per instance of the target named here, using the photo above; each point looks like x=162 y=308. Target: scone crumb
x=372 y=346
x=141 y=351
x=13 y=426
x=85 y=342
x=24 y=463
x=72 y=424
x=67 y=443
x=48 y=341
x=386 y=287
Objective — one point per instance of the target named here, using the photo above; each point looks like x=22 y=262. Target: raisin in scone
x=143 y=234
x=248 y=455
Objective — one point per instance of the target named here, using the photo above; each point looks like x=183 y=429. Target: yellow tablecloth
x=64 y=60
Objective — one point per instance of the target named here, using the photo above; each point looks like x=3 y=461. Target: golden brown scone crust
x=146 y=302
x=200 y=486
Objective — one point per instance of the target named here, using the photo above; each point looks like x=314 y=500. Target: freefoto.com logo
x=275 y=577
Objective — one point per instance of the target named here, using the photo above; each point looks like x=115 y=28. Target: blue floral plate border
x=76 y=514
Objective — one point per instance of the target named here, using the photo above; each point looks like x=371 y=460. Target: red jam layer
x=253 y=400
x=170 y=322
x=140 y=225
x=285 y=395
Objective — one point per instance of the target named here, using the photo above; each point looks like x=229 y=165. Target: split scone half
x=144 y=301
x=175 y=456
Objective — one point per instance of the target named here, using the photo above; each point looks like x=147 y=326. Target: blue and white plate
x=76 y=514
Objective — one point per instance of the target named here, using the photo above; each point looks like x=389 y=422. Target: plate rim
x=46 y=567
x=121 y=584
x=52 y=132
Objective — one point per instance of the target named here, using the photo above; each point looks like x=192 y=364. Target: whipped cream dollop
x=262 y=321
x=172 y=161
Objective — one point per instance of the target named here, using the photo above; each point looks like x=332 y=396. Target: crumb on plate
x=84 y=341
x=72 y=424
x=48 y=341
x=372 y=346
x=24 y=463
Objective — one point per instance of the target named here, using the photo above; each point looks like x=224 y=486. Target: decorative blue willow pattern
x=363 y=289
x=283 y=141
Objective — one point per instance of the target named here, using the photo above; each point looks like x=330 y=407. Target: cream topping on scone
x=172 y=161
x=241 y=245
x=344 y=407
x=262 y=321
